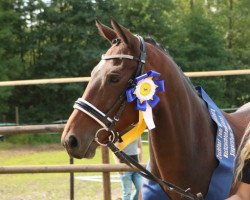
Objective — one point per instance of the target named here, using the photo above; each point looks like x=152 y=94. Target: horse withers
x=183 y=142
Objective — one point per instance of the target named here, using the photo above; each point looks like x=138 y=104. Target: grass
x=48 y=186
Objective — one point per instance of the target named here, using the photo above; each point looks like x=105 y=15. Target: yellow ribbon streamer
x=133 y=134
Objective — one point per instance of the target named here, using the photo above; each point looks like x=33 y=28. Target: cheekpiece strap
x=142 y=58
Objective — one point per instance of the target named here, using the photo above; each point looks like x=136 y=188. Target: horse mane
x=152 y=41
x=159 y=46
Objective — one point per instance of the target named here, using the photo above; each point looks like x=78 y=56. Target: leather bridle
x=108 y=124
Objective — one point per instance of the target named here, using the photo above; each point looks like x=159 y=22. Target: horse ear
x=105 y=31
x=126 y=36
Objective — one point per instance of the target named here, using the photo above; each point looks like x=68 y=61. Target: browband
x=141 y=58
x=121 y=56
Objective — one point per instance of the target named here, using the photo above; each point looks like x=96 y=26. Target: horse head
x=102 y=111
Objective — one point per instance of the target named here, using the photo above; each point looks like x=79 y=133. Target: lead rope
x=147 y=174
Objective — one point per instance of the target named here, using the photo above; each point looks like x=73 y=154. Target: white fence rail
x=86 y=79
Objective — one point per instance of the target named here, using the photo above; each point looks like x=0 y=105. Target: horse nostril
x=72 y=142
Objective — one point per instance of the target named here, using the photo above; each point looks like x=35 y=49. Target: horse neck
x=184 y=130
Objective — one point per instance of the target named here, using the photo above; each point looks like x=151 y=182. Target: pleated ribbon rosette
x=145 y=95
x=144 y=92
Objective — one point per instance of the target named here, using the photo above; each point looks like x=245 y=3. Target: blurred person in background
x=242 y=171
x=128 y=179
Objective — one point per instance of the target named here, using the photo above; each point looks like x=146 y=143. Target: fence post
x=17 y=115
x=106 y=175
x=72 y=192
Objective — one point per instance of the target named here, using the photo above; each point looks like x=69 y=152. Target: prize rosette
x=144 y=93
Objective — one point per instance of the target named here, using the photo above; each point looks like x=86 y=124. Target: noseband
x=108 y=123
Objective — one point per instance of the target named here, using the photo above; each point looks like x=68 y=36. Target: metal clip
x=111 y=137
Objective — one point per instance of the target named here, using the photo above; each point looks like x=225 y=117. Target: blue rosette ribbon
x=144 y=92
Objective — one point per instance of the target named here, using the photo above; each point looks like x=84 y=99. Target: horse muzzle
x=78 y=148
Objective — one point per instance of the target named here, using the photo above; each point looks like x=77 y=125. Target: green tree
x=64 y=43
x=196 y=45
x=232 y=18
x=148 y=17
x=10 y=59
x=59 y=39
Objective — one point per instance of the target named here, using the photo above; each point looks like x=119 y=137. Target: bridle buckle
x=116 y=118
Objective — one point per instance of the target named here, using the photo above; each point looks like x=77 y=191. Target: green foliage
x=201 y=49
x=68 y=46
x=59 y=39
x=34 y=139
x=146 y=17
x=10 y=62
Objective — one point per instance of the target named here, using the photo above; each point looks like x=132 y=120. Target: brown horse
x=182 y=146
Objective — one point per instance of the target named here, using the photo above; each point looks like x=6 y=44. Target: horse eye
x=113 y=78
